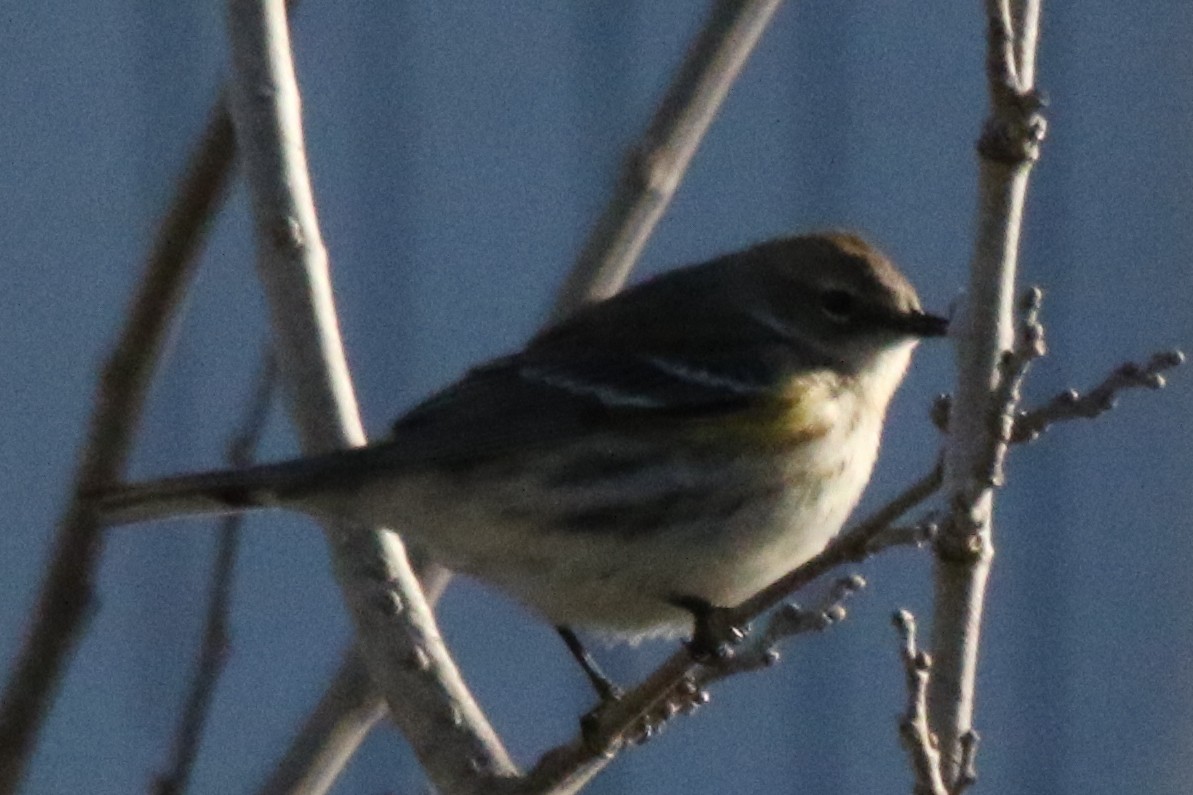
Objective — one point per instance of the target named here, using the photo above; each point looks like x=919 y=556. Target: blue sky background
x=460 y=152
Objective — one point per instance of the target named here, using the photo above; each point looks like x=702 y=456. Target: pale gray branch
x=1025 y=20
x=984 y=330
x=914 y=729
x=395 y=627
x=655 y=165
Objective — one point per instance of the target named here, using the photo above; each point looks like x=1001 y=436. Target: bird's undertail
x=207 y=493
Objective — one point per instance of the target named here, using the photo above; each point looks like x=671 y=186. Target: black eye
x=838 y=305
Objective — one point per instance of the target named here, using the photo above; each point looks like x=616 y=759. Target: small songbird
x=685 y=442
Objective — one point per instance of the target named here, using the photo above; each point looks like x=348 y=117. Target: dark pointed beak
x=923 y=324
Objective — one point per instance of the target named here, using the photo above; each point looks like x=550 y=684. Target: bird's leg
x=714 y=633
x=605 y=687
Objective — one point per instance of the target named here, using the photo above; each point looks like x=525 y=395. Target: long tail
x=233 y=490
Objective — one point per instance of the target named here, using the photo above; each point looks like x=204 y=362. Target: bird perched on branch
x=676 y=447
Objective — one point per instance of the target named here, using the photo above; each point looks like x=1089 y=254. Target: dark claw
x=715 y=634
x=590 y=731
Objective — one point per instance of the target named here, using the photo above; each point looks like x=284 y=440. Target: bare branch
x=655 y=165
x=673 y=686
x=1072 y=405
x=333 y=731
x=213 y=649
x=67 y=598
x=986 y=377
x=914 y=730
x=913 y=535
x=760 y=649
x=395 y=627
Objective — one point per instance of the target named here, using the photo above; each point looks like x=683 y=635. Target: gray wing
x=539 y=398
x=511 y=406
x=610 y=366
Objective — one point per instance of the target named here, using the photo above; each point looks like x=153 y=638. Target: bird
x=677 y=446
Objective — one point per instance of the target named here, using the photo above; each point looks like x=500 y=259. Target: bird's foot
x=716 y=630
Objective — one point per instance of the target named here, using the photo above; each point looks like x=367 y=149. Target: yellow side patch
x=801 y=410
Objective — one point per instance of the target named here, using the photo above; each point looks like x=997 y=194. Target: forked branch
x=1074 y=405
x=395 y=628
x=987 y=378
x=66 y=600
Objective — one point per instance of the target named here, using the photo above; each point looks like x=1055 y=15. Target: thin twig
x=1028 y=346
x=1073 y=405
x=395 y=628
x=566 y=767
x=919 y=534
x=67 y=597
x=655 y=165
x=1009 y=145
x=213 y=649
x=914 y=730
x=760 y=648
x=1030 y=424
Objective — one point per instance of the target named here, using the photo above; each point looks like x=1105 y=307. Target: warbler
x=685 y=442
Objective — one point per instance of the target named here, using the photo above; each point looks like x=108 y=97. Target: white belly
x=719 y=533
